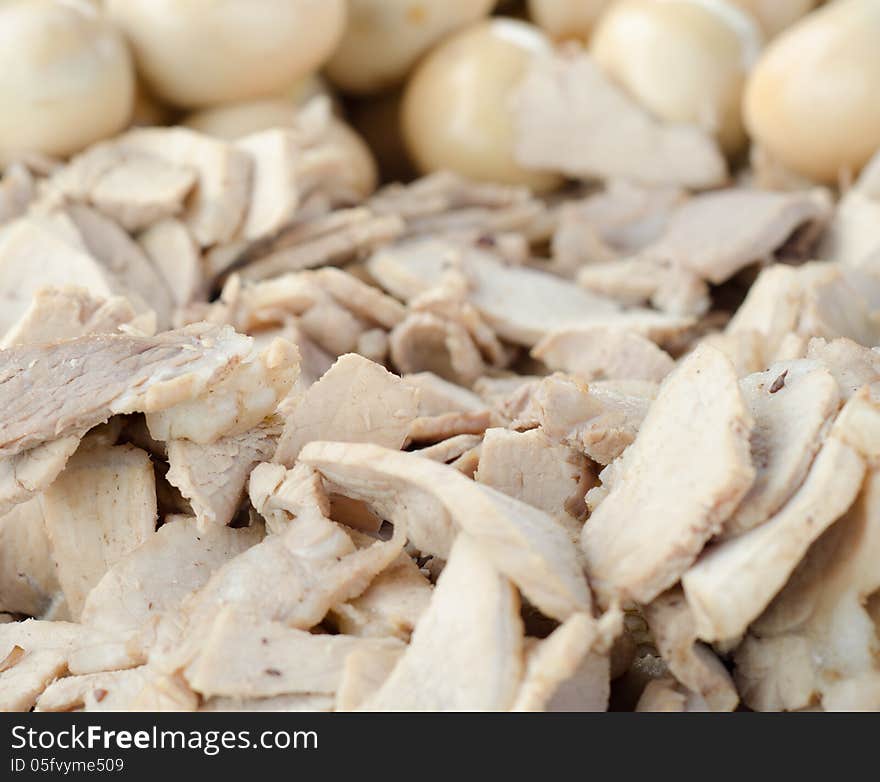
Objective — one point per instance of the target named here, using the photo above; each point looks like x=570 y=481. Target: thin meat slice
x=735 y=581
x=26 y=474
x=851 y=364
x=817 y=644
x=27 y=572
x=793 y=404
x=102 y=507
x=217 y=206
x=356 y=400
x=390 y=607
x=364 y=672
x=243 y=656
x=521 y=305
x=65 y=313
x=295 y=576
x=174 y=253
x=686 y=472
x=599 y=421
x=604 y=354
x=50 y=392
x=571 y=118
x=530 y=467
x=717 y=234
x=103 y=691
x=248 y=394
x=434 y=501
x=570 y=669
x=444 y=669
x=156 y=576
x=213 y=477
x=694 y=664
x=635 y=281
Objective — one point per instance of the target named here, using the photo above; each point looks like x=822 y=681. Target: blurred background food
x=786 y=85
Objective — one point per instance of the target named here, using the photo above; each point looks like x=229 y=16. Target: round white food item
x=195 y=53
x=775 y=15
x=456 y=112
x=234 y=120
x=66 y=78
x=567 y=19
x=683 y=60
x=384 y=38
x=813 y=100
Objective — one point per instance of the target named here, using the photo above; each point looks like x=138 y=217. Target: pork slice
x=104 y=691
x=355 y=401
x=33 y=654
x=32 y=258
x=717 y=234
x=686 y=472
x=155 y=577
x=598 y=421
x=571 y=118
x=111 y=246
x=213 y=477
x=793 y=404
x=625 y=217
x=450 y=449
x=134 y=188
x=570 y=669
x=694 y=664
x=601 y=353
x=520 y=304
x=217 y=207
x=17 y=191
x=102 y=507
x=243 y=656
x=445 y=670
x=275 y=191
x=839 y=302
x=249 y=393
x=425 y=342
x=734 y=581
x=322 y=241
x=363 y=673
x=27 y=571
x=816 y=644
x=771 y=309
x=433 y=501
x=57 y=314
x=49 y=392
x=390 y=607
x=638 y=280
x=530 y=467
x=363 y=300
x=141 y=190
x=851 y=364
x=279 y=495
x=26 y=474
x=295 y=577
x=174 y=253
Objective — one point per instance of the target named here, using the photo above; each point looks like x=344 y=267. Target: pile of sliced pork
x=269 y=443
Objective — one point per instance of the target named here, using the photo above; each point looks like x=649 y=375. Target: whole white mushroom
x=384 y=38
x=456 y=111
x=683 y=60
x=567 y=19
x=194 y=53
x=775 y=15
x=66 y=78
x=813 y=100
